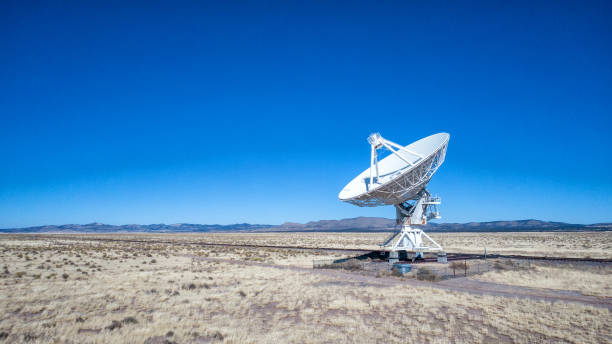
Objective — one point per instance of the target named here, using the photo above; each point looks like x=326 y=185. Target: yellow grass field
x=558 y=244
x=56 y=290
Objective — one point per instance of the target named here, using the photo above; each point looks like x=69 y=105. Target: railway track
x=451 y=256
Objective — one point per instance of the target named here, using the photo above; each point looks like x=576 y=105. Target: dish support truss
x=409 y=184
x=410 y=215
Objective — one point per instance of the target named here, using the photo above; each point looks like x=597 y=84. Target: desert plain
x=174 y=288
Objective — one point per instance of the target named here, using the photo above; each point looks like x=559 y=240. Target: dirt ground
x=67 y=291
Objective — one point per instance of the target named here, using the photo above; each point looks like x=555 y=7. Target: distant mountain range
x=357 y=224
x=373 y=224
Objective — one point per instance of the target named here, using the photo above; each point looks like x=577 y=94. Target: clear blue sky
x=165 y=112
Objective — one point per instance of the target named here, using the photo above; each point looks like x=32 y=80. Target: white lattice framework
x=396 y=190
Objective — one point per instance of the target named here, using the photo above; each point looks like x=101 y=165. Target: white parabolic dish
x=398 y=180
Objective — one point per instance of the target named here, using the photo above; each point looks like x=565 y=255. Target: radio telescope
x=400 y=179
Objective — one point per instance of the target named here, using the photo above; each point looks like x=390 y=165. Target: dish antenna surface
x=400 y=180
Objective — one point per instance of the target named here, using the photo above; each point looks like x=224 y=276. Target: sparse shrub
x=20 y=274
x=153 y=261
x=456 y=266
x=352 y=264
x=158 y=340
x=129 y=320
x=426 y=274
x=189 y=286
x=241 y=293
x=395 y=271
x=65 y=276
x=114 y=325
x=499 y=266
x=218 y=335
x=3 y=335
x=80 y=320
x=49 y=325
x=28 y=337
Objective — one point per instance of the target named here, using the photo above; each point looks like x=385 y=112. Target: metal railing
x=432 y=272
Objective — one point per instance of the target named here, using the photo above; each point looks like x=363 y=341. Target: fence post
x=465 y=268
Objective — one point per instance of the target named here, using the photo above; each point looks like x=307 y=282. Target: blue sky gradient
x=228 y=112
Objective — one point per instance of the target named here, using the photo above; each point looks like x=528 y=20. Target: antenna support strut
x=411 y=215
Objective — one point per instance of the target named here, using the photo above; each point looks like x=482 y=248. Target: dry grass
x=588 y=279
x=558 y=244
x=118 y=292
x=563 y=244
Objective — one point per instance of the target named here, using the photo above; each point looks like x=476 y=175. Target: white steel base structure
x=410 y=239
x=410 y=216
